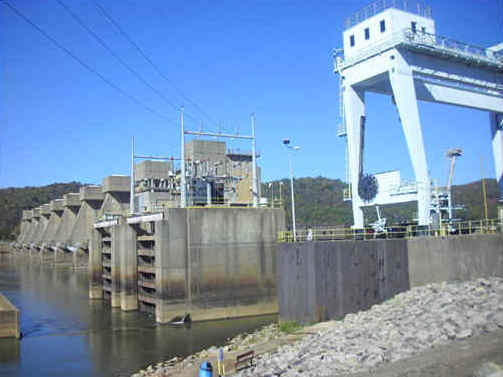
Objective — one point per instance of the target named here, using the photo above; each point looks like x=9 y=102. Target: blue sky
x=59 y=122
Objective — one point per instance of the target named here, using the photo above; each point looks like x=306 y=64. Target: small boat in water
x=184 y=320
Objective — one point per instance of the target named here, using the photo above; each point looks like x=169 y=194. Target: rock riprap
x=398 y=328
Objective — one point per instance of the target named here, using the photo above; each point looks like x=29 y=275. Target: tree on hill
x=318 y=201
x=14 y=200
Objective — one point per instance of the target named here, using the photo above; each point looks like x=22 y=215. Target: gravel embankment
x=403 y=326
x=398 y=328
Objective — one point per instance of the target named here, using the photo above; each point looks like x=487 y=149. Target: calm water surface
x=65 y=334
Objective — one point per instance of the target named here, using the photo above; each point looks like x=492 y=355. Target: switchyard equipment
x=211 y=175
x=207 y=174
x=390 y=47
x=154 y=183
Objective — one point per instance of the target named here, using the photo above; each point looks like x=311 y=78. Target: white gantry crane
x=391 y=47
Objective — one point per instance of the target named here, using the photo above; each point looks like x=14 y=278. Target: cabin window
x=383 y=26
x=423 y=29
x=413 y=26
x=352 y=40
x=367 y=33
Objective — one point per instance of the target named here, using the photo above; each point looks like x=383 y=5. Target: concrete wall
x=326 y=280
x=216 y=262
x=323 y=280
x=455 y=258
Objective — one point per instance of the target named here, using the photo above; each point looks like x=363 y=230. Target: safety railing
x=276 y=203
x=420 y=40
x=381 y=5
x=346 y=194
x=473 y=227
x=446 y=43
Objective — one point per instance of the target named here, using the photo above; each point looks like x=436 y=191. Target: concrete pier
x=91 y=199
x=9 y=319
x=128 y=284
x=27 y=218
x=71 y=206
x=209 y=262
x=96 y=266
x=39 y=241
x=34 y=231
x=25 y=229
x=116 y=200
x=106 y=244
x=52 y=227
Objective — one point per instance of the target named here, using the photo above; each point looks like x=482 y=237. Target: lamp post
x=286 y=143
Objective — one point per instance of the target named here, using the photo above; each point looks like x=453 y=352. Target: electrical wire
x=84 y=64
x=117 y=57
x=149 y=61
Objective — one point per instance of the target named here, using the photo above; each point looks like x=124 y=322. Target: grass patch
x=289 y=327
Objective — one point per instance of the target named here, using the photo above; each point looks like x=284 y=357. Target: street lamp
x=286 y=143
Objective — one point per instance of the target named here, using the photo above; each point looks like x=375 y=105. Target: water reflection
x=9 y=350
x=66 y=334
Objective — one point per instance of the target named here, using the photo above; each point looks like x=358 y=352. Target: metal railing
x=347 y=193
x=446 y=43
x=381 y=5
x=420 y=40
x=492 y=226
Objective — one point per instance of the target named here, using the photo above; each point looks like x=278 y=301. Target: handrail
x=379 y=6
x=491 y=226
x=423 y=40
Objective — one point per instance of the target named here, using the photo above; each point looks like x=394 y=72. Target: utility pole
x=254 y=164
x=183 y=187
x=131 y=191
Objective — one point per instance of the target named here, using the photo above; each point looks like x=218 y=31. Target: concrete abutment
x=326 y=280
x=209 y=262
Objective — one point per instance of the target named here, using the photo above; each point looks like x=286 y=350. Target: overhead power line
x=149 y=61
x=83 y=63
x=117 y=57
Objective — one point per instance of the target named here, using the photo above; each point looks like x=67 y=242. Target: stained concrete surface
x=326 y=280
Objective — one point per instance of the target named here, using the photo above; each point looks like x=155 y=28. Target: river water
x=66 y=334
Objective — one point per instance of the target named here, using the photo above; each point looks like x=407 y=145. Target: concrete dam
x=214 y=258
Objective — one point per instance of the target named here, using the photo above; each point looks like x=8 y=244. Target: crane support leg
x=406 y=101
x=354 y=108
x=497 y=141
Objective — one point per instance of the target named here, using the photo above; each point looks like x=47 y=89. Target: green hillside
x=14 y=200
x=318 y=201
